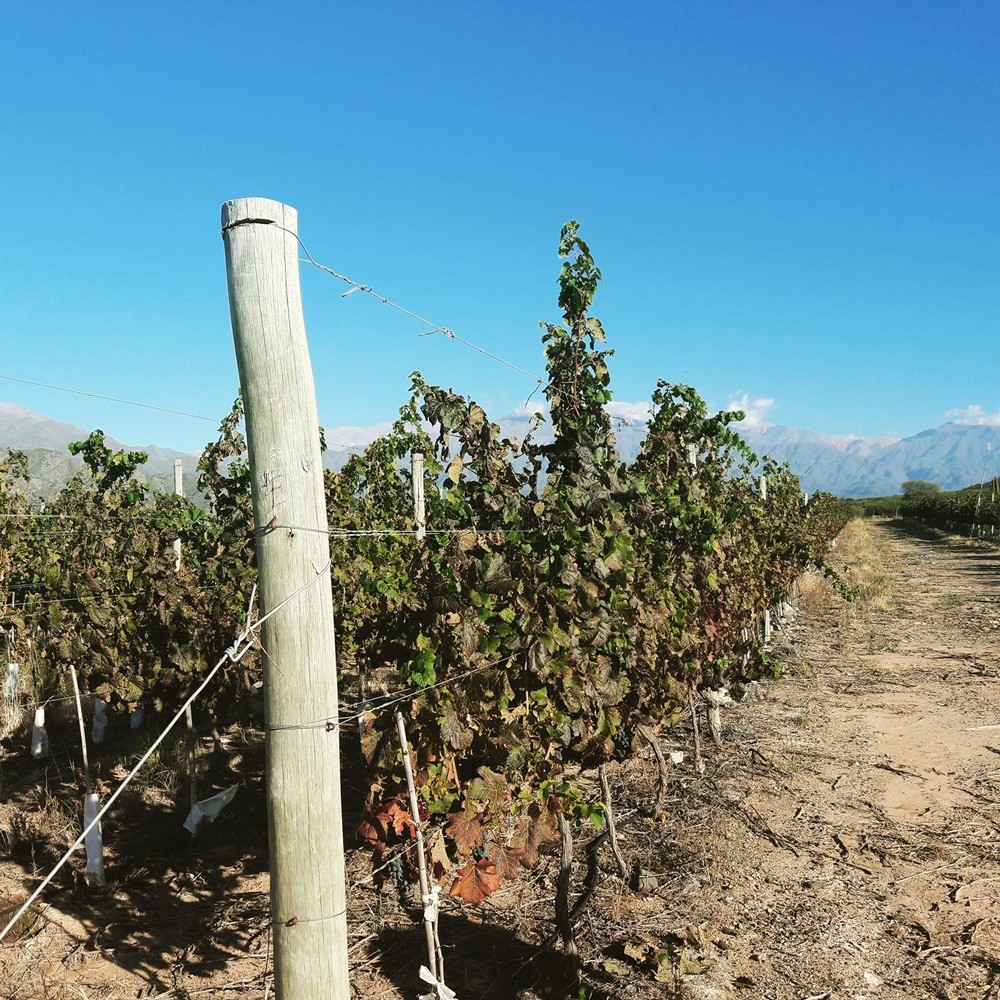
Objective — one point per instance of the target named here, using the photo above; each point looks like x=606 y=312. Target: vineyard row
x=555 y=604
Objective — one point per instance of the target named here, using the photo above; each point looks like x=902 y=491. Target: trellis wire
x=356 y=286
x=143 y=406
x=233 y=654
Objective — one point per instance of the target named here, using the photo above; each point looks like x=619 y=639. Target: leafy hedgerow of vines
x=14 y=526
x=560 y=600
x=587 y=597
x=955 y=511
x=99 y=588
x=79 y=596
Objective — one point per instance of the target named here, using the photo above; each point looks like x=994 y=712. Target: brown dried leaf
x=466 y=831
x=617 y=968
x=437 y=850
x=475 y=882
x=492 y=790
x=642 y=950
x=370 y=737
x=535 y=830
x=370 y=830
x=477 y=416
x=453 y=731
x=507 y=859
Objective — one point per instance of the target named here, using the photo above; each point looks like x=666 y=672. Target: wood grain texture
x=308 y=901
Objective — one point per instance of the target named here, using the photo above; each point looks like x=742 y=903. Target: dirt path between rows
x=864 y=853
x=842 y=844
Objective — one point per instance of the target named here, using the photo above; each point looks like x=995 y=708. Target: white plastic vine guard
x=39 y=737
x=441 y=992
x=100 y=721
x=93 y=841
x=10 y=684
x=208 y=809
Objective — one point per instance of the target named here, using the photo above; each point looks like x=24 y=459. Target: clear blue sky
x=793 y=201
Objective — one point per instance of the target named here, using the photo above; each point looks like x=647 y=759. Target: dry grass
x=870 y=569
x=33 y=685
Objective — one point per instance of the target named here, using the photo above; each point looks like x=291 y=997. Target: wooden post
x=430 y=907
x=93 y=842
x=83 y=732
x=308 y=893
x=419 y=512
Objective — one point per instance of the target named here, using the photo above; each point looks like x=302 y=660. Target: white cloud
x=635 y=413
x=354 y=437
x=638 y=413
x=755 y=410
x=529 y=409
x=974 y=414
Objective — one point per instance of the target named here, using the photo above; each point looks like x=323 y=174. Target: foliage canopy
x=561 y=600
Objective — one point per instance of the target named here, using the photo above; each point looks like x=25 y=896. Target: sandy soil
x=873 y=795
x=842 y=844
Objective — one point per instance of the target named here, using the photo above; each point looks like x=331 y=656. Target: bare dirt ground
x=842 y=844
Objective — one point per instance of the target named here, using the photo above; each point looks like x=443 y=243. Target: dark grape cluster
x=399 y=874
x=622 y=741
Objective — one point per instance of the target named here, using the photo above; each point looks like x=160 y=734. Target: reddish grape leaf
x=467 y=832
x=476 y=881
x=394 y=815
x=370 y=830
x=507 y=859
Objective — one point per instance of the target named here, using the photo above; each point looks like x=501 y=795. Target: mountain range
x=952 y=455
x=51 y=465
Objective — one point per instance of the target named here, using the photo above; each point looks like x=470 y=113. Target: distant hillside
x=46 y=442
x=952 y=455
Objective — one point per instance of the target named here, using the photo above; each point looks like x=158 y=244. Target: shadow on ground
x=174 y=906
x=481 y=960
